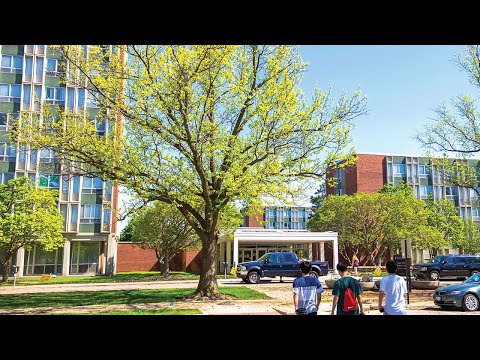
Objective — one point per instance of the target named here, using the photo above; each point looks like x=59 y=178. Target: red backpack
x=349 y=300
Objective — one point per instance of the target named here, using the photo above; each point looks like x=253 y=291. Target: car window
x=286 y=257
x=273 y=258
x=475 y=279
x=473 y=260
x=459 y=260
x=448 y=260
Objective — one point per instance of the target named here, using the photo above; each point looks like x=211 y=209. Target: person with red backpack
x=346 y=293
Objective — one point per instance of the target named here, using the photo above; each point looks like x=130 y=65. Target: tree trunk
x=5 y=272
x=165 y=265
x=378 y=257
x=207 y=285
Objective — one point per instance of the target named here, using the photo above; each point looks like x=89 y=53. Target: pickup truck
x=277 y=264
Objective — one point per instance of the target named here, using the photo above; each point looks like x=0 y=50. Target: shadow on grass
x=80 y=298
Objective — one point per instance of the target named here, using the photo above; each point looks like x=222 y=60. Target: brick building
x=372 y=171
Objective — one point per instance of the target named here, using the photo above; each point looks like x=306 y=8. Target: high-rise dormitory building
x=29 y=73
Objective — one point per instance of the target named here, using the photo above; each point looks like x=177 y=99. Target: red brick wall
x=330 y=190
x=251 y=221
x=371 y=173
x=351 y=185
x=133 y=258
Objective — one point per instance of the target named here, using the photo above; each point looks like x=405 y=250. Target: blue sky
x=403 y=84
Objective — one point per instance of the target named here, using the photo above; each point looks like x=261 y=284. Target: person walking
x=355 y=263
x=307 y=291
x=393 y=288
x=347 y=299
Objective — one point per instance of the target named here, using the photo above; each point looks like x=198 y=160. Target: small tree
x=28 y=217
x=471 y=240
x=162 y=228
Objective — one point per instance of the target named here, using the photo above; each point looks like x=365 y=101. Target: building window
x=106 y=219
x=47 y=156
x=5 y=177
x=10 y=93
x=12 y=64
x=424 y=170
x=92 y=185
x=49 y=181
x=399 y=170
x=100 y=126
x=90 y=214
x=39 y=70
x=475 y=213
x=7 y=152
x=450 y=190
x=55 y=95
x=6 y=120
x=92 y=97
x=425 y=190
x=55 y=67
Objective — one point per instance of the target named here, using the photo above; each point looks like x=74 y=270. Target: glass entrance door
x=247 y=255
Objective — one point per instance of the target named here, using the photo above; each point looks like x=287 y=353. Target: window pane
x=43 y=181
x=87 y=182
x=97 y=183
x=15 y=91
x=49 y=93
x=81 y=97
x=74 y=214
x=70 y=96
x=76 y=184
x=17 y=62
x=55 y=181
x=6 y=60
x=51 y=64
x=28 y=66
x=60 y=94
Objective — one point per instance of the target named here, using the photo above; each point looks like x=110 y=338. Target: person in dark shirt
x=307 y=291
x=339 y=288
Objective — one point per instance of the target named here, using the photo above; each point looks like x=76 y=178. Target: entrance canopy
x=260 y=236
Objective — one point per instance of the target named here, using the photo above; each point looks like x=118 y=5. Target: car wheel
x=245 y=281
x=470 y=302
x=253 y=277
x=473 y=272
x=314 y=274
x=434 y=275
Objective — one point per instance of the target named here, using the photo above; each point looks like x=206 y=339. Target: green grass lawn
x=79 y=298
x=139 y=312
x=119 y=277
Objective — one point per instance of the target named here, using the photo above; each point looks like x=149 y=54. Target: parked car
x=448 y=266
x=465 y=295
x=277 y=264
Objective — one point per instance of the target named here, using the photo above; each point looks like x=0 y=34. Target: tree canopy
x=161 y=227
x=204 y=127
x=28 y=217
x=453 y=135
x=372 y=222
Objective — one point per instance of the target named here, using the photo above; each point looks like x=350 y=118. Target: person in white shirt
x=393 y=288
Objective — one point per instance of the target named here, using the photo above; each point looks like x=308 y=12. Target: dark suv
x=448 y=266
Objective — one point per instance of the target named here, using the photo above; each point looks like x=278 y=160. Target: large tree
x=28 y=217
x=443 y=216
x=372 y=222
x=203 y=127
x=161 y=227
x=454 y=131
